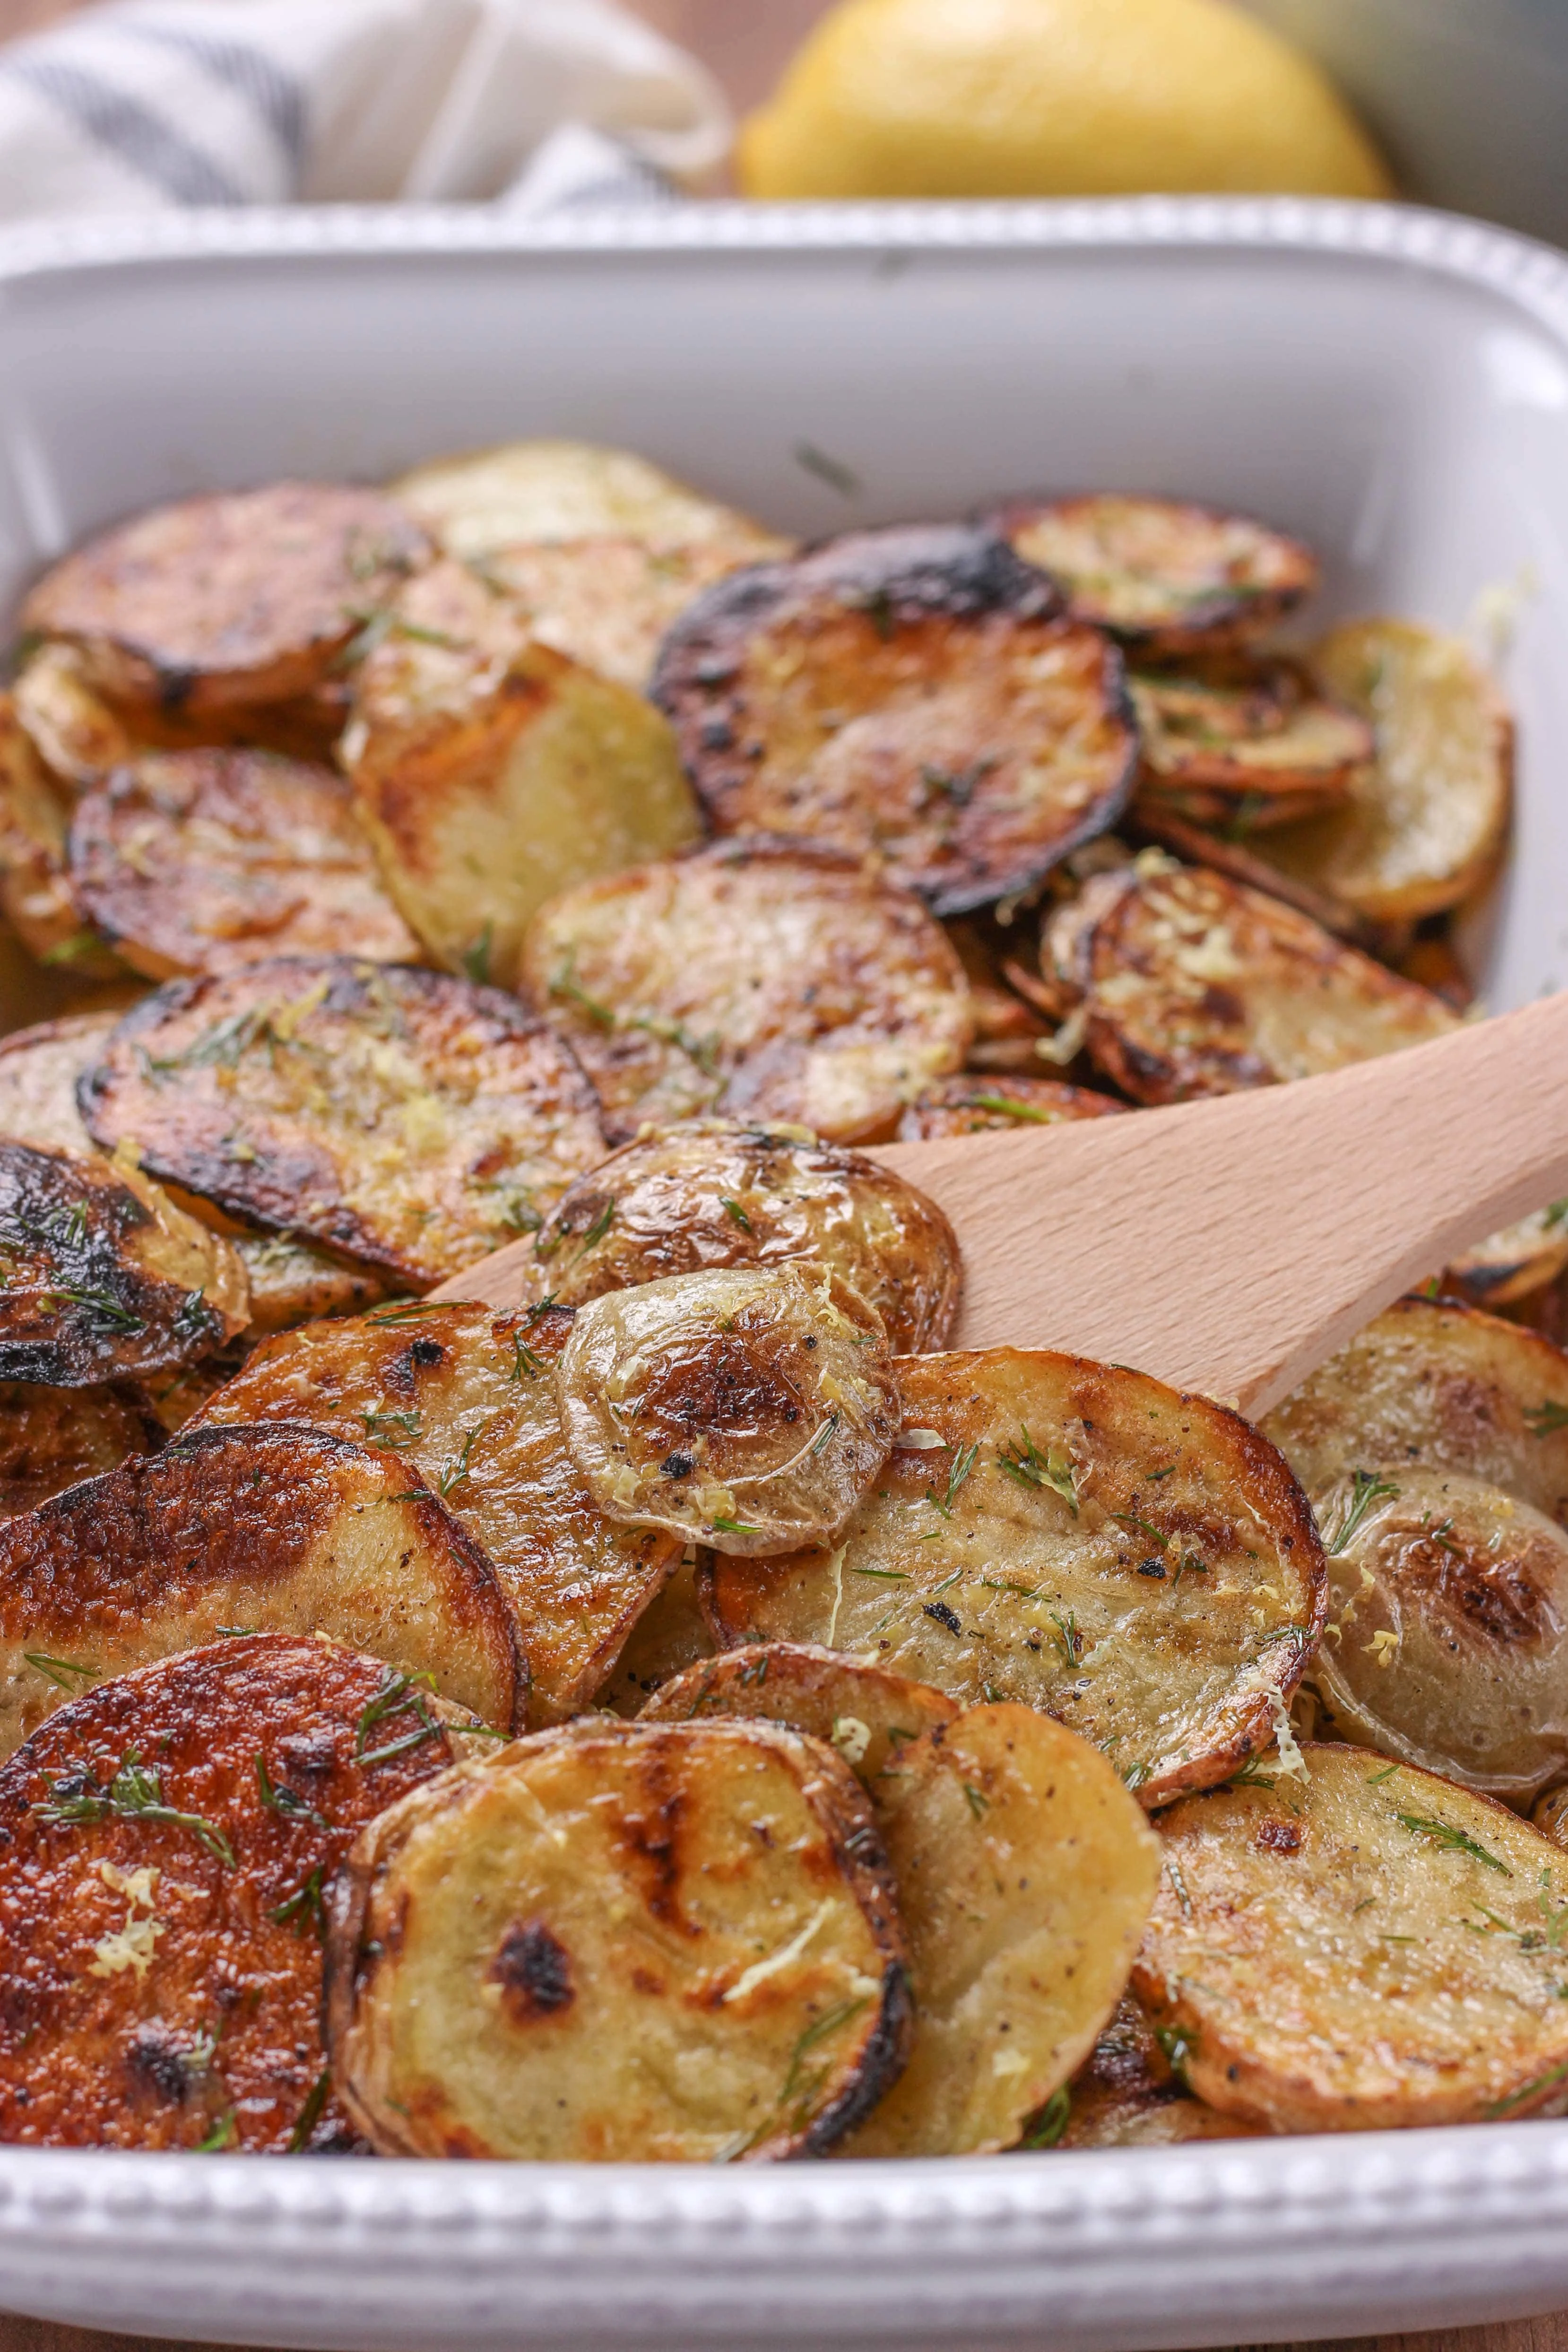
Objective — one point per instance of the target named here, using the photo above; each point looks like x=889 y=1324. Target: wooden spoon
x=1231 y=1246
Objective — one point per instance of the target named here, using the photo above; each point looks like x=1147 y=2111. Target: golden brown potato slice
x=1125 y=2095
x=292 y=1283
x=975 y=1104
x=1244 y=745
x=1024 y=1874
x=50 y=1438
x=1191 y=984
x=481 y=500
x=1441 y=1385
x=712 y=1192
x=35 y=894
x=242 y=597
x=104 y=1279
x=468 y=1397
x=763 y=980
x=1137 y=1563
x=670 y=1636
x=409 y=1120
x=491 y=772
x=909 y=694
x=1168 y=578
x=608 y=602
x=1425 y=822
x=750 y=1407
x=277 y=1530
x=620 y=1942
x=1158 y=826
x=39 y=1072
x=1508 y=1265
x=81 y=738
x=203 y=861
x=1358 y=1946
x=170 y=1841
x=1447 y=1642
x=867 y=1714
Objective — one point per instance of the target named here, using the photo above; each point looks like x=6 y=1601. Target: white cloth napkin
x=144 y=104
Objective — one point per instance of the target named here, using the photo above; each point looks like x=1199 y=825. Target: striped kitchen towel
x=141 y=104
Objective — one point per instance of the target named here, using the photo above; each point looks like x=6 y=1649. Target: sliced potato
x=39 y=1072
x=1167 y=577
x=763 y=980
x=750 y=1407
x=82 y=738
x=1191 y=984
x=468 y=1397
x=909 y=694
x=1550 y=1815
x=608 y=601
x=1245 y=745
x=660 y=1942
x=1361 y=1946
x=973 y=1104
x=1024 y=1874
x=407 y=1119
x=1508 y=1265
x=670 y=1634
x=489 y=785
x=1125 y=2095
x=242 y=597
x=481 y=500
x=203 y=861
x=291 y=1282
x=35 y=894
x=51 y=1437
x=277 y=1530
x=1080 y=1538
x=1425 y=822
x=1158 y=827
x=1439 y=1384
x=103 y=1277
x=867 y=1714
x=1447 y=1642
x=167 y=1843
x=713 y=1193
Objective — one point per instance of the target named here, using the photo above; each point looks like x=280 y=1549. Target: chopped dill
x=223 y=2133
x=1544 y=1420
x=398 y=1694
x=310 y=2113
x=456 y=1472
x=395 y=1430
x=888 y=1575
x=1451 y=1840
x=734 y=1213
x=1366 y=1489
x=135 y=1793
x=305 y=1902
x=963 y=1463
x=62 y=1672
x=742 y=1528
x=283 y=1801
x=979 y=1805
x=1026 y=1465
x=1047 y=2125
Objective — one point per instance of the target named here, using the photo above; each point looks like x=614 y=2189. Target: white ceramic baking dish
x=1394 y=385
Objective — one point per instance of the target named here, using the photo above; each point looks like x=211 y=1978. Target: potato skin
x=910 y=694
x=764 y=980
x=81 y=738
x=179 y=2010
x=867 y=1714
x=404 y=1118
x=1137 y=1563
x=1192 y=985
x=291 y=1530
x=50 y=1438
x=1126 y=2096
x=1245 y=745
x=467 y=1398
x=39 y=1067
x=106 y=1279
x=714 y=1192
x=191 y=862
x=1310 y=1953
x=1166 y=576
x=610 y=1879
x=979 y=1104
x=243 y=597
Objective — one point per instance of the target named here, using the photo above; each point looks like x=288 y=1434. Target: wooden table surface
x=745 y=41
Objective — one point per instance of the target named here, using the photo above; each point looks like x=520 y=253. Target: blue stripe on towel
x=126 y=130
x=274 y=94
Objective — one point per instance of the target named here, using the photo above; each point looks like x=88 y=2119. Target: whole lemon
x=1051 y=98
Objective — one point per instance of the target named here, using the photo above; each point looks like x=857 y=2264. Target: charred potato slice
x=1025 y=1874
x=1358 y=1946
x=50 y=1438
x=1447 y=1642
x=81 y=738
x=749 y=1408
x=1125 y=2095
x=168 y=1845
x=533 y=1963
x=1245 y=746
x=1440 y=1385
x=277 y=1530
x=910 y=694
x=468 y=1397
x=763 y=980
x=1425 y=821
x=1139 y=1564
x=483 y=501
x=412 y=1120
x=492 y=772
x=104 y=1277
x=39 y=1068
x=1192 y=985
x=1168 y=578
x=1508 y=1265
x=35 y=895
x=608 y=602
x=682 y=1200
x=242 y=597
x=867 y=1714
x=974 y=1105
x=193 y=862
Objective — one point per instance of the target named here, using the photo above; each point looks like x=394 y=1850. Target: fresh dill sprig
x=283 y=1801
x=963 y=1461
x=1047 y=2125
x=742 y=1528
x=1366 y=1489
x=64 y=1673
x=1026 y=1465
x=135 y=1793
x=398 y=1694
x=305 y=1902
x=456 y=1472
x=1452 y=1840
x=394 y=1430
